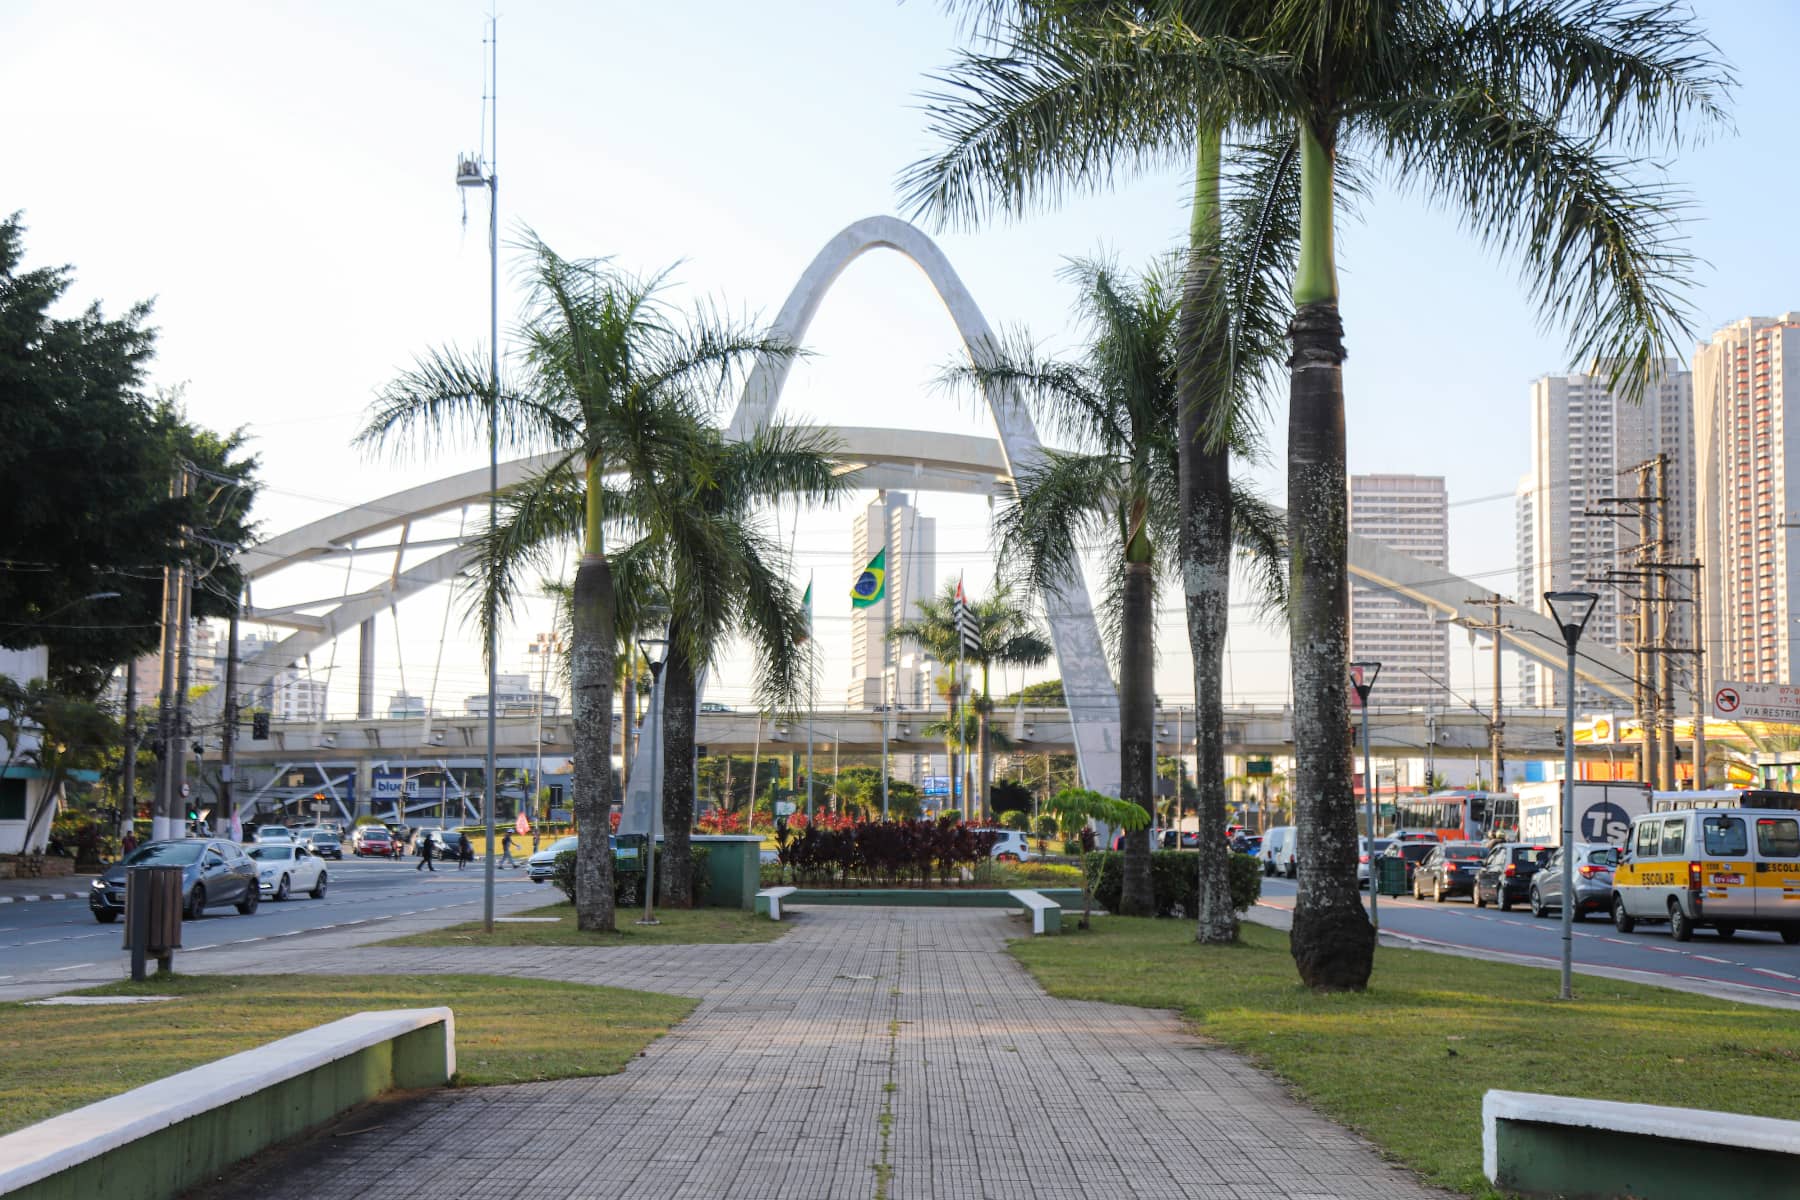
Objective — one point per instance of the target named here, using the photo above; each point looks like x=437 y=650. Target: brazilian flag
x=871 y=585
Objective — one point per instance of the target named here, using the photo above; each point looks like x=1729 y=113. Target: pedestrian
x=128 y=843
x=465 y=854
x=425 y=854
x=506 y=858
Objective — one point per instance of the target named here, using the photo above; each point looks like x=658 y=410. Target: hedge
x=626 y=889
x=1174 y=880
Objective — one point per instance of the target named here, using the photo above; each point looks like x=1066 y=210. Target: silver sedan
x=1594 y=863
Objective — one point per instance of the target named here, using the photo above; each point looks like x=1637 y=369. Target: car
x=713 y=706
x=542 y=865
x=212 y=872
x=372 y=840
x=1721 y=868
x=1252 y=844
x=274 y=833
x=324 y=844
x=446 y=843
x=1411 y=853
x=1594 y=863
x=1364 y=857
x=283 y=870
x=1009 y=845
x=1505 y=874
x=1449 y=870
x=1278 y=851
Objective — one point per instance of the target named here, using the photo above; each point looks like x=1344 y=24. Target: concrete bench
x=1541 y=1145
x=768 y=901
x=1046 y=914
x=162 y=1139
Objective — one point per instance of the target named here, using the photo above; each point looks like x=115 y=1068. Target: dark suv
x=1505 y=874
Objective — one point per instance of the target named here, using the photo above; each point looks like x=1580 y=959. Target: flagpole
x=811 y=701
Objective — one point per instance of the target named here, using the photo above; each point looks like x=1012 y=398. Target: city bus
x=1724 y=798
x=1460 y=816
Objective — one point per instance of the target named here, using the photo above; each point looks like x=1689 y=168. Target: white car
x=1009 y=844
x=273 y=833
x=283 y=868
x=1279 y=856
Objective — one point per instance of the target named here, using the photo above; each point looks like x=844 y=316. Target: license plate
x=1723 y=880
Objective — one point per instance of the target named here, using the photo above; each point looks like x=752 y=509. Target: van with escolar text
x=1723 y=869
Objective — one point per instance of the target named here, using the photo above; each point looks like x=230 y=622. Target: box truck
x=1604 y=810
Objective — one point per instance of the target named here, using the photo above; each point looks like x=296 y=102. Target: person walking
x=465 y=854
x=425 y=854
x=506 y=858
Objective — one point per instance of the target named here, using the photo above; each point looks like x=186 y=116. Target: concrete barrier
x=1540 y=1145
x=1045 y=913
x=161 y=1139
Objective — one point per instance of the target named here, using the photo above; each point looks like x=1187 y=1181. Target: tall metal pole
x=811 y=705
x=225 y=821
x=183 y=678
x=1568 y=834
x=1702 y=695
x=128 y=782
x=656 y=753
x=755 y=774
x=1665 y=621
x=1499 y=727
x=493 y=633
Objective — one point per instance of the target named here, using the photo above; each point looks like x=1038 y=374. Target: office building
x=881 y=671
x=516 y=697
x=1411 y=514
x=1747 y=497
x=1574 y=530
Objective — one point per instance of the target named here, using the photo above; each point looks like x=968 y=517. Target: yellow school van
x=1723 y=869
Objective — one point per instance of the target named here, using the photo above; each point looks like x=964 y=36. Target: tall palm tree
x=1115 y=490
x=1008 y=636
x=726 y=574
x=613 y=382
x=1533 y=119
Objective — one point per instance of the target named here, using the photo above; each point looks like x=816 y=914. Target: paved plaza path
x=899 y=1053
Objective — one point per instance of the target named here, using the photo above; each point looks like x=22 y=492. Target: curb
x=45 y=896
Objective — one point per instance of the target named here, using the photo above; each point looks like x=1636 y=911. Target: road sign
x=1259 y=766
x=1778 y=703
x=784 y=808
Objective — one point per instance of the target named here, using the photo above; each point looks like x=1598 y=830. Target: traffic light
x=193 y=811
x=259 y=726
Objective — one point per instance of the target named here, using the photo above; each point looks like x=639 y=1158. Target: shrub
x=880 y=851
x=1046 y=827
x=626 y=883
x=1174 y=880
x=366 y=819
x=950 y=814
x=1015 y=819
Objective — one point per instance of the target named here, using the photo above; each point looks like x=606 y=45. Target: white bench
x=769 y=901
x=1543 y=1145
x=1046 y=914
x=161 y=1139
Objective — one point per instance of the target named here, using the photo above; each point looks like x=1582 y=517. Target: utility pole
x=128 y=781
x=1665 y=679
x=1497 y=723
x=164 y=802
x=225 y=820
x=1647 y=636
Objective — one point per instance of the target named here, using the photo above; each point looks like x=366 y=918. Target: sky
x=279 y=179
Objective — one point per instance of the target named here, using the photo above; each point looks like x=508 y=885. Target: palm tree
x=610 y=380
x=725 y=575
x=1008 y=636
x=1115 y=490
x=1533 y=119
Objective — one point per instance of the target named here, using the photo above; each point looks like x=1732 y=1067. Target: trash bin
x=734 y=869
x=153 y=904
x=1390 y=876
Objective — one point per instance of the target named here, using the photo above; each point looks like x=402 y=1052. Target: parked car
x=212 y=872
x=1505 y=874
x=713 y=706
x=1009 y=845
x=325 y=844
x=372 y=840
x=283 y=870
x=1252 y=845
x=1414 y=835
x=1727 y=868
x=1279 y=851
x=1365 y=856
x=1594 y=863
x=1412 y=853
x=542 y=865
x=1449 y=870
x=274 y=833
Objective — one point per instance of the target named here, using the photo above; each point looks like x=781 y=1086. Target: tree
x=1047 y=693
x=64 y=734
x=1535 y=120
x=1075 y=807
x=1007 y=637
x=1115 y=491
x=613 y=382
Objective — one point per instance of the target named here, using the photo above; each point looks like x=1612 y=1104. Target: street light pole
x=1362 y=677
x=1570 y=611
x=655 y=650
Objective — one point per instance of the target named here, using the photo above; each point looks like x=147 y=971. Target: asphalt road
x=44 y=938
x=1756 y=961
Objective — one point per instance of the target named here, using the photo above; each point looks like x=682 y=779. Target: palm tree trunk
x=592 y=671
x=1332 y=942
x=983 y=770
x=1204 y=384
x=679 y=713
x=1137 y=750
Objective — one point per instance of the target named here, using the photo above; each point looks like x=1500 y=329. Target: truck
x=1604 y=810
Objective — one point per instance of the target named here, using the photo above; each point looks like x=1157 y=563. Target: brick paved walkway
x=902 y=1044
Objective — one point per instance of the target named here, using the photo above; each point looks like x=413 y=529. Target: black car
x=326 y=845
x=1449 y=870
x=212 y=872
x=1505 y=874
x=1412 y=853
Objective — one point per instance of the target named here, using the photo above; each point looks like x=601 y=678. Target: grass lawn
x=1406 y=1063
x=702 y=926
x=507 y=1030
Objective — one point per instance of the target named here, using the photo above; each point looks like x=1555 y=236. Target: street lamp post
x=1570 y=611
x=655 y=649
x=1362 y=677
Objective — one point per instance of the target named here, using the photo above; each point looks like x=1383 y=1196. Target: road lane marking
x=1774 y=974
x=1721 y=961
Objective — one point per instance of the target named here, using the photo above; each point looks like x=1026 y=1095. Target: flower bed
x=837 y=851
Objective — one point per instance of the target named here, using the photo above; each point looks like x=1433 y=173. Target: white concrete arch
x=1087 y=680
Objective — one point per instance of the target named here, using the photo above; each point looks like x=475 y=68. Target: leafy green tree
x=1075 y=807
x=1008 y=637
x=613 y=383
x=904 y=801
x=1047 y=693
x=65 y=734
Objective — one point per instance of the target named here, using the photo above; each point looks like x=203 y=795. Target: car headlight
x=99 y=885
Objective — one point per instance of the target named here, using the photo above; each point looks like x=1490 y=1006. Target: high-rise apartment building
x=1573 y=532
x=880 y=671
x=1411 y=514
x=1748 y=541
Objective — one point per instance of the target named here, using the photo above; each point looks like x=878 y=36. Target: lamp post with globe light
x=655 y=648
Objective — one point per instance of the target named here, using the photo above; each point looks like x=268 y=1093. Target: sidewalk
x=893 y=1052
x=57 y=887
